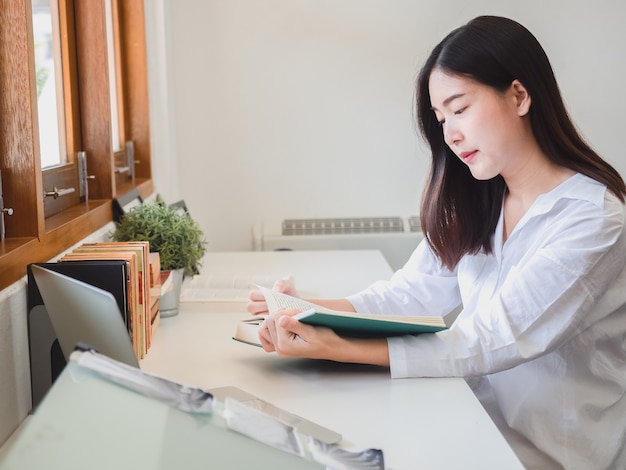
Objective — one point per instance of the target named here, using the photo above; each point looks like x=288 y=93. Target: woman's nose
x=451 y=134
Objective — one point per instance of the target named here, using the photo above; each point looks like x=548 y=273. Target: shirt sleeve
x=541 y=303
x=422 y=287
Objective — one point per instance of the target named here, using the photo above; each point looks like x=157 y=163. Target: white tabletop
x=418 y=423
x=425 y=423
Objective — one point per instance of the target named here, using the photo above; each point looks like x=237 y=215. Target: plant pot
x=168 y=304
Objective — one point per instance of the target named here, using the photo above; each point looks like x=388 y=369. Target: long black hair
x=459 y=213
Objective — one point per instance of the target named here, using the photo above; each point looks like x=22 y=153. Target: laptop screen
x=80 y=312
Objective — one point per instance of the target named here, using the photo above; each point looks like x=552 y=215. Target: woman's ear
x=522 y=97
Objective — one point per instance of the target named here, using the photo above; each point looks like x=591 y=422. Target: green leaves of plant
x=172 y=233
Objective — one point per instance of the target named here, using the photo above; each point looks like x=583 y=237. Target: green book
x=362 y=325
x=371 y=326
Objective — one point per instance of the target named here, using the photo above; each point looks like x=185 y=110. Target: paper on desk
x=337 y=458
x=272 y=429
x=225 y=287
x=262 y=427
x=185 y=398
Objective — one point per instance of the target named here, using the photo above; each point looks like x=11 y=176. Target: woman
x=524 y=227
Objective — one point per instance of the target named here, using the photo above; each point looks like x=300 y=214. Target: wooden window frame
x=30 y=236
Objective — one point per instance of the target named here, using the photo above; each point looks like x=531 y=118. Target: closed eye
x=457 y=112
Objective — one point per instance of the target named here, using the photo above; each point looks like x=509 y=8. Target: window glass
x=112 y=33
x=49 y=76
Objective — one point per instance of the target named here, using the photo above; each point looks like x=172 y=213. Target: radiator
x=395 y=237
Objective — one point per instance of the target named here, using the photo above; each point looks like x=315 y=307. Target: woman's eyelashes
x=442 y=121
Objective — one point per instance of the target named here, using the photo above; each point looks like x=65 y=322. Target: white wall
x=15 y=396
x=284 y=108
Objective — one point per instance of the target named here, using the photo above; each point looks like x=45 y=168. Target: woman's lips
x=468 y=156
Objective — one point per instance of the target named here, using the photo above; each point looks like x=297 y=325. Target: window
x=57 y=113
x=58 y=95
x=122 y=150
x=49 y=81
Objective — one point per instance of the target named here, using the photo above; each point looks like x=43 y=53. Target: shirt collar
x=576 y=187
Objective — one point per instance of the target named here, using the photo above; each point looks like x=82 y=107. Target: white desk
x=418 y=423
x=425 y=423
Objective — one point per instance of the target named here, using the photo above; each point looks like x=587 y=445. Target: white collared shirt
x=543 y=322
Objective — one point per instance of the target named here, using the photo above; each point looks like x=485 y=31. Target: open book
x=349 y=324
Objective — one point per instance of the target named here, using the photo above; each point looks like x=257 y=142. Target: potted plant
x=173 y=234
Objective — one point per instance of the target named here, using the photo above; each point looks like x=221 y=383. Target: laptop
x=82 y=313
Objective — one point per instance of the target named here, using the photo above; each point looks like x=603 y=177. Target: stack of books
x=144 y=284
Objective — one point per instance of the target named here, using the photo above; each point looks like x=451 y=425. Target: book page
x=277 y=300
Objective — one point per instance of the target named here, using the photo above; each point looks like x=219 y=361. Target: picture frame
x=126 y=202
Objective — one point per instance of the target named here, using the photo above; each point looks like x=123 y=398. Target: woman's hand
x=257 y=305
x=287 y=336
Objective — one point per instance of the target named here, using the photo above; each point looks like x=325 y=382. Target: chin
x=481 y=174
